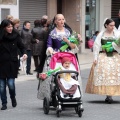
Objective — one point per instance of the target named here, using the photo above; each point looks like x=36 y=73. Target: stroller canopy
x=57 y=57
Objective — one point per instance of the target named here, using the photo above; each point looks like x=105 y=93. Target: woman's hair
x=3 y=25
x=107 y=22
x=45 y=17
x=9 y=17
x=15 y=21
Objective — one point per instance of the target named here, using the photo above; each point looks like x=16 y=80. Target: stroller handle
x=67 y=71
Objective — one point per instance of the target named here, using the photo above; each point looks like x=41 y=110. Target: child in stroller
x=58 y=97
x=68 y=85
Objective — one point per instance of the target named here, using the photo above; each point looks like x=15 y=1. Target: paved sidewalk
x=85 y=59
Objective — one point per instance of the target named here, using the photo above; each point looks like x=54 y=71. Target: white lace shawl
x=97 y=43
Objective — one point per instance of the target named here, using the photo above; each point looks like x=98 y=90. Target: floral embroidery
x=54 y=35
x=107 y=71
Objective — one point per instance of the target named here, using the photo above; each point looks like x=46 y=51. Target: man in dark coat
x=27 y=41
x=117 y=21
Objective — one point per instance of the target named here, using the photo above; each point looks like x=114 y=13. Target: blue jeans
x=10 y=82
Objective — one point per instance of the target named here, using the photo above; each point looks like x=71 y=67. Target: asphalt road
x=30 y=108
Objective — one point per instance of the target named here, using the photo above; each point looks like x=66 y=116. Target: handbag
x=90 y=43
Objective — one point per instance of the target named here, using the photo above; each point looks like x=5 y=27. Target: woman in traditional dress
x=59 y=33
x=104 y=78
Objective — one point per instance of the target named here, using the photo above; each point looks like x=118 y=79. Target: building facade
x=84 y=16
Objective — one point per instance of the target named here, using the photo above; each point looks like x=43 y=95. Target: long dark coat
x=117 y=22
x=41 y=34
x=9 y=55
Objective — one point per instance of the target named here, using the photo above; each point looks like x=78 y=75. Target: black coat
x=117 y=22
x=26 y=38
x=41 y=34
x=9 y=55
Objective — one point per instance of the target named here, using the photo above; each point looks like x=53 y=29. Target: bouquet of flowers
x=73 y=39
x=43 y=76
x=108 y=46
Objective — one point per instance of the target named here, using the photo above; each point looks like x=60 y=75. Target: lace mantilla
x=54 y=34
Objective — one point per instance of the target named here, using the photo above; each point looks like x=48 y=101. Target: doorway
x=59 y=6
x=90 y=20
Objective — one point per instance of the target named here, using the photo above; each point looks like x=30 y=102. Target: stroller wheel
x=76 y=109
x=46 y=105
x=80 y=110
x=80 y=113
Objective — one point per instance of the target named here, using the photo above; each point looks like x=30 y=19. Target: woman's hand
x=72 y=45
x=37 y=41
x=24 y=56
x=65 y=40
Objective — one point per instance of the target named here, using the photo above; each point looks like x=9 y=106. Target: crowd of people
x=46 y=39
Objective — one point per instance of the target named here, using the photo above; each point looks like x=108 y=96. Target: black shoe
x=14 y=102
x=108 y=100
x=4 y=107
x=29 y=73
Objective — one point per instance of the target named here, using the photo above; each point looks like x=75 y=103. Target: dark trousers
x=10 y=82
x=42 y=62
x=36 y=61
x=28 y=67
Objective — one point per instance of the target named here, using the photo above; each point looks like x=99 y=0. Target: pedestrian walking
x=10 y=41
x=104 y=75
x=27 y=37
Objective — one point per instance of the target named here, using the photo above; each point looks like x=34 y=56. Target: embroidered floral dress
x=104 y=78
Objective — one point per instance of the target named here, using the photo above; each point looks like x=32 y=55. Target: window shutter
x=32 y=10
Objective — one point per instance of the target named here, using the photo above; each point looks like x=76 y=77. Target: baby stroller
x=54 y=98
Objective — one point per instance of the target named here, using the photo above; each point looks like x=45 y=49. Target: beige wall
x=71 y=11
x=105 y=10
x=82 y=22
x=51 y=8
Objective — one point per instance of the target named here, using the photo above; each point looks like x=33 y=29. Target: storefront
x=92 y=18
x=95 y=13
